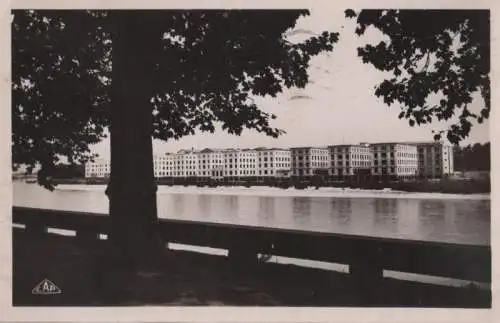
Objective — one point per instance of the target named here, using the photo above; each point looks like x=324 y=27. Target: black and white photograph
x=323 y=156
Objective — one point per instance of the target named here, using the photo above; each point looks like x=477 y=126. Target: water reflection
x=449 y=220
x=231 y=206
x=301 y=210
x=340 y=211
x=469 y=218
x=431 y=218
x=205 y=205
x=178 y=205
x=385 y=214
x=266 y=211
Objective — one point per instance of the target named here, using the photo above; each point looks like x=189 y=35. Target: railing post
x=86 y=235
x=242 y=253
x=367 y=273
x=36 y=227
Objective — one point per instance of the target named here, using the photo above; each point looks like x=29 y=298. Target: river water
x=432 y=217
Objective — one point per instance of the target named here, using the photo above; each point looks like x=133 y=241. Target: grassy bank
x=446 y=186
x=193 y=279
x=451 y=186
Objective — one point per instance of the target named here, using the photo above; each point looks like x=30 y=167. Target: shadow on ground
x=203 y=280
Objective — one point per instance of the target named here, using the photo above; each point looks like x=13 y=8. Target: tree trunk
x=132 y=188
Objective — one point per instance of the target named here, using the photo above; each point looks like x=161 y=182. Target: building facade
x=164 y=165
x=211 y=163
x=435 y=159
x=184 y=163
x=99 y=168
x=240 y=163
x=273 y=162
x=309 y=161
x=339 y=162
x=348 y=161
x=187 y=163
x=394 y=160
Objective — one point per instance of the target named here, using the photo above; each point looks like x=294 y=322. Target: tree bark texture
x=132 y=188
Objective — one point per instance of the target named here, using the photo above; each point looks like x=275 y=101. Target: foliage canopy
x=431 y=54
x=203 y=67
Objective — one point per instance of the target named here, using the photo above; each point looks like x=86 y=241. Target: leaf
x=424 y=60
x=62 y=72
x=349 y=13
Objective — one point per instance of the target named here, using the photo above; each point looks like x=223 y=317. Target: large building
x=187 y=163
x=100 y=167
x=273 y=162
x=240 y=163
x=164 y=165
x=394 y=160
x=309 y=161
x=350 y=160
x=339 y=162
x=435 y=159
x=211 y=163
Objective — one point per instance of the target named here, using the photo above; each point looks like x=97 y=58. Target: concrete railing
x=367 y=257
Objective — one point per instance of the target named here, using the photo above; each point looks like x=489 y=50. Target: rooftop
x=392 y=143
x=222 y=150
x=363 y=145
x=309 y=147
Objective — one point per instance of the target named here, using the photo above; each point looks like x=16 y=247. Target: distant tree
x=59 y=89
x=472 y=157
x=431 y=53
x=69 y=171
x=144 y=74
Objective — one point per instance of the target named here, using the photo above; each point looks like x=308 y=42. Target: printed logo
x=46 y=287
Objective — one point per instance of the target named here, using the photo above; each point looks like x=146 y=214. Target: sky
x=338 y=106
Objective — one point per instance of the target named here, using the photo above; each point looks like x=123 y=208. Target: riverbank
x=290 y=192
x=443 y=186
x=195 y=279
